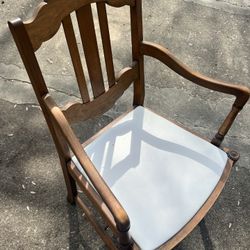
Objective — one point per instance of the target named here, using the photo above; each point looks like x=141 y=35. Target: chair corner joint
x=233 y=155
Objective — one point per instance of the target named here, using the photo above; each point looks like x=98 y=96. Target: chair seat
x=160 y=173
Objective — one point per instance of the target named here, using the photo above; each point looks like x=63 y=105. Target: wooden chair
x=151 y=180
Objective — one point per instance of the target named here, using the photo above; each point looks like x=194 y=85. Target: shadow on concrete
x=76 y=240
x=207 y=242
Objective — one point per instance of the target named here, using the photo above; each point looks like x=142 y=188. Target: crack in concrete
x=14 y=79
x=50 y=88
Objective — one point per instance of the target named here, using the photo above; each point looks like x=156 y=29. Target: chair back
x=49 y=16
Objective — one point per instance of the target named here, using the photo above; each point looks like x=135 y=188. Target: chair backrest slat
x=88 y=36
x=75 y=57
x=103 y=22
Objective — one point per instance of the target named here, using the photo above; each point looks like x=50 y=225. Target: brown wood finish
x=31 y=34
x=40 y=28
x=91 y=193
x=102 y=208
x=77 y=111
x=99 y=184
x=240 y=92
x=226 y=125
x=119 y=214
x=164 y=55
x=103 y=22
x=136 y=39
x=88 y=36
x=75 y=57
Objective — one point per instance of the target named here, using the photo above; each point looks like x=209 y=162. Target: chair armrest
x=120 y=216
x=241 y=93
x=165 y=56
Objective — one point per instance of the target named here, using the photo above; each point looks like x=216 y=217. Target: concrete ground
x=210 y=36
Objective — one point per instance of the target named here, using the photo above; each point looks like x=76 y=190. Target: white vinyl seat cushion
x=160 y=173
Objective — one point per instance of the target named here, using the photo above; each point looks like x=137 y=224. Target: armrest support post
x=226 y=125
